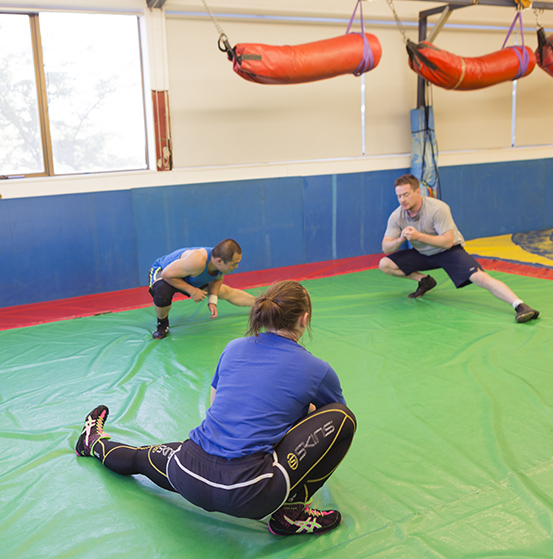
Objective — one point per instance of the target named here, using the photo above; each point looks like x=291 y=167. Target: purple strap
x=358 y=5
x=367 y=60
x=522 y=54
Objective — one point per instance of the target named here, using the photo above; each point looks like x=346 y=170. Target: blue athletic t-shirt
x=264 y=385
x=197 y=281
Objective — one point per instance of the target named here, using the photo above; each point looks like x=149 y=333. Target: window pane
x=20 y=141
x=95 y=95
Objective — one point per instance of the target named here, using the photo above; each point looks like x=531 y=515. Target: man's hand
x=197 y=295
x=212 y=309
x=411 y=234
x=445 y=240
x=391 y=244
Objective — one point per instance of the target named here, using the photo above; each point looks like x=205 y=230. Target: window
x=72 y=96
x=20 y=145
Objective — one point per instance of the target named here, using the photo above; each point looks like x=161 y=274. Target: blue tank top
x=198 y=281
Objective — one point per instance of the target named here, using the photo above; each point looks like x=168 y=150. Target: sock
x=517 y=303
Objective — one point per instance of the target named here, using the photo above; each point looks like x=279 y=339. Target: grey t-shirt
x=434 y=218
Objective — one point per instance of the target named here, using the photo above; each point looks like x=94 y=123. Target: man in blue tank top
x=197 y=272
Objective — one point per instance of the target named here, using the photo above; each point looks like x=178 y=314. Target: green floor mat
x=452 y=458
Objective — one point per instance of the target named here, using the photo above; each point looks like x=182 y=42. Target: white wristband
x=212 y=300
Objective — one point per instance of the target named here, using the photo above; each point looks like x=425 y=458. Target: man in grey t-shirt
x=437 y=243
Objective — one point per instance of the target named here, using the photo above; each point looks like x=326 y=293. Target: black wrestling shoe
x=299 y=518
x=425 y=284
x=93 y=431
x=525 y=313
x=162 y=329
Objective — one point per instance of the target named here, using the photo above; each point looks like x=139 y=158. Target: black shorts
x=161 y=291
x=249 y=487
x=256 y=485
x=457 y=263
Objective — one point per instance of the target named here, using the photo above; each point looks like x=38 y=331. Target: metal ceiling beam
x=498 y=3
x=439 y=24
x=155 y=3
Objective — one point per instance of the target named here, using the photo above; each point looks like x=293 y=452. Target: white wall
x=226 y=128
x=220 y=119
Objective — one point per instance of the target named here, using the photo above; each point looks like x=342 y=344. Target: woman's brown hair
x=280 y=308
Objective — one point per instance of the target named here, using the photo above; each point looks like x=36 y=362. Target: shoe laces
x=100 y=423
x=315 y=512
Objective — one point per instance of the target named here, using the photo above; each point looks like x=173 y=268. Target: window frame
x=42 y=103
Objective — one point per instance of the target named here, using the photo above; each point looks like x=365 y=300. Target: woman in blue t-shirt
x=277 y=428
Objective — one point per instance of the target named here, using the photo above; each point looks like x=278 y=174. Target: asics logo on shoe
x=92 y=431
x=286 y=521
x=89 y=424
x=308 y=525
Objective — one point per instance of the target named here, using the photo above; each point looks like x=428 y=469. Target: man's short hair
x=225 y=250
x=408 y=179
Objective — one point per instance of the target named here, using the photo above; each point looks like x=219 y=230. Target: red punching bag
x=544 y=52
x=455 y=72
x=353 y=53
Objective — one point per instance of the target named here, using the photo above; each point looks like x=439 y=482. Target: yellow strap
x=463 y=71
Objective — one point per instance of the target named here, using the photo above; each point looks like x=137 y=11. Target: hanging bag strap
x=367 y=60
x=522 y=54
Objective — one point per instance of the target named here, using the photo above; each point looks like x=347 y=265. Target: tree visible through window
x=20 y=143
x=87 y=68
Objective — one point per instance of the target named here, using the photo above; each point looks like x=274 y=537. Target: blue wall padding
x=264 y=216
x=54 y=247
x=359 y=209
x=8 y=261
x=499 y=198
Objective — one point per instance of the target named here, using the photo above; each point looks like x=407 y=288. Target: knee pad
x=162 y=293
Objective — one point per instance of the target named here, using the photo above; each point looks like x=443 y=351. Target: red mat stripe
x=518 y=268
x=115 y=301
x=128 y=299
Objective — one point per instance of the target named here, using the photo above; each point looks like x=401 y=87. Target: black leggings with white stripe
x=253 y=486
